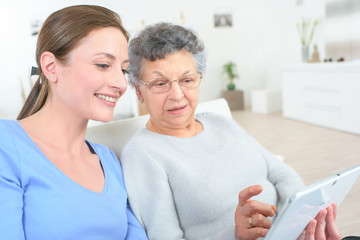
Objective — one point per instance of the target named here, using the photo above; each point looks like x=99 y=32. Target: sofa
x=116 y=134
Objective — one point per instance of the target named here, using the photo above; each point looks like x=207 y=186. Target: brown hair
x=60 y=34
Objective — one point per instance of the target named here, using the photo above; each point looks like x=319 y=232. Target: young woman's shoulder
x=9 y=129
x=6 y=125
x=10 y=149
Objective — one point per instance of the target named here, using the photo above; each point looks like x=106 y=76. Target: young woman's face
x=93 y=79
x=175 y=108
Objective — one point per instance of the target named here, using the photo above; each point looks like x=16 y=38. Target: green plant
x=306 y=30
x=230 y=68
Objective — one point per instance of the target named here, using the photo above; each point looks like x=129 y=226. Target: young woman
x=53 y=183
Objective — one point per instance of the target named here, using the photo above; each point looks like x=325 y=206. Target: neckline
x=198 y=135
x=48 y=161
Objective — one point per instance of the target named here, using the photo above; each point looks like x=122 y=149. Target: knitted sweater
x=187 y=188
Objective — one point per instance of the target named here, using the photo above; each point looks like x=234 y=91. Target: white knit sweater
x=187 y=188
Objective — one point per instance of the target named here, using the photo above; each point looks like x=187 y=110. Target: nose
x=175 y=91
x=118 y=81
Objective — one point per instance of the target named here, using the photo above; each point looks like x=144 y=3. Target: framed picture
x=223 y=20
x=36 y=26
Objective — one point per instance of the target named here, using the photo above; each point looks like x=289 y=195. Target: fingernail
x=274 y=208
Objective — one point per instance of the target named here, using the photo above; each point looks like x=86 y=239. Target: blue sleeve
x=135 y=230
x=11 y=192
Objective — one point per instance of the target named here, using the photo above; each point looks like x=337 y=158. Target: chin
x=103 y=118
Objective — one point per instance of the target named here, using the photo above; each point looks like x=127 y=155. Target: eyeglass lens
x=164 y=85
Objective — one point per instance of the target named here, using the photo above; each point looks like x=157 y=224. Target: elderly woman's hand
x=251 y=216
x=318 y=230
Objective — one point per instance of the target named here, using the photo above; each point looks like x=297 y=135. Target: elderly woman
x=184 y=171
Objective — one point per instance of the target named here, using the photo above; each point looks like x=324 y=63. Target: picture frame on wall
x=223 y=20
x=35 y=25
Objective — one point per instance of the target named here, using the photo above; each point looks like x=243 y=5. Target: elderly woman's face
x=175 y=108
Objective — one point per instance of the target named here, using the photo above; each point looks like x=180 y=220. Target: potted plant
x=306 y=30
x=229 y=69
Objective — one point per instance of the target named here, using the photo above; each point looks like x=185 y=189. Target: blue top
x=38 y=201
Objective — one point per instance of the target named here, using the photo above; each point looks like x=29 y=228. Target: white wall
x=14 y=57
x=262 y=38
x=341 y=29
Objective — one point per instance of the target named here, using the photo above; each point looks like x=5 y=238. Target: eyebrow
x=112 y=57
x=106 y=54
x=183 y=74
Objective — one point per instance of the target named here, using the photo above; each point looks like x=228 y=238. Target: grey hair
x=156 y=41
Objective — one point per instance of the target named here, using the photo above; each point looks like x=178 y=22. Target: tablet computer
x=305 y=204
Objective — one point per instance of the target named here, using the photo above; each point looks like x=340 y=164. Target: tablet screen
x=304 y=205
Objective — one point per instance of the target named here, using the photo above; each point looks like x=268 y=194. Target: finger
x=320 y=226
x=249 y=192
x=258 y=232
x=253 y=207
x=331 y=229
x=259 y=220
x=274 y=208
x=302 y=235
x=330 y=215
x=334 y=205
x=252 y=233
x=310 y=230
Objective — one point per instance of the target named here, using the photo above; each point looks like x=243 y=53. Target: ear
x=48 y=66
x=139 y=95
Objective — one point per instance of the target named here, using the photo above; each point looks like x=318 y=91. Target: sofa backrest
x=116 y=134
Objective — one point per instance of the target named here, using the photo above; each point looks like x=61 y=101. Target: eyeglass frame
x=169 y=83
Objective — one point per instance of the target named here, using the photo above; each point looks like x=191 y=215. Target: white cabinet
x=326 y=94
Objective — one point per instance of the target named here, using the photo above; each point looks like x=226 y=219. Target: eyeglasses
x=161 y=85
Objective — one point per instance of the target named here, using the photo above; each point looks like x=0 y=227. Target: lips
x=177 y=108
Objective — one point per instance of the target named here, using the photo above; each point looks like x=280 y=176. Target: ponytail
x=36 y=99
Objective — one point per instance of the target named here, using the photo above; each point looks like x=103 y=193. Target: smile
x=106 y=98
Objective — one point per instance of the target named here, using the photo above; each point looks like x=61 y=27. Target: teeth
x=174 y=109
x=106 y=98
